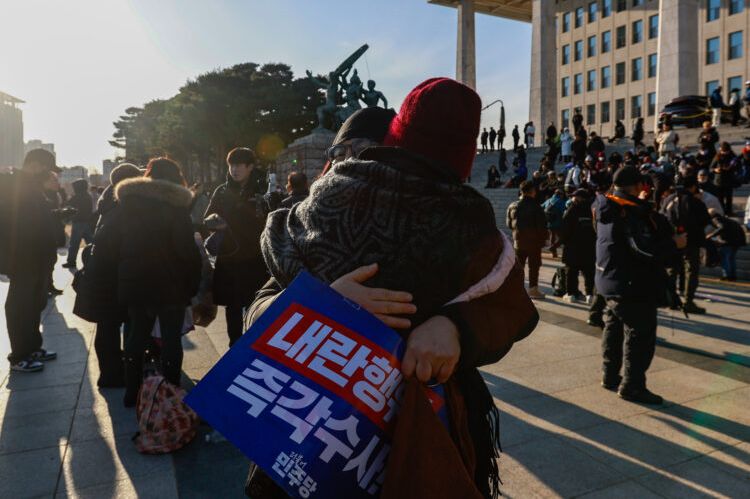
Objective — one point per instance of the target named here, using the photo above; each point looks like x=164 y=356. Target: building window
x=606 y=8
x=651 y=103
x=604 y=112
x=736 y=6
x=734 y=83
x=636 y=104
x=566 y=22
x=620 y=109
x=653 y=26
x=591 y=80
x=620 y=73
x=565 y=54
x=637 y=3
x=735 y=45
x=606 y=77
x=712 y=50
x=713 y=10
x=636 y=69
x=606 y=42
x=592 y=12
x=565 y=86
x=621 y=37
x=622 y=5
x=652 y=61
x=711 y=86
x=578 y=83
x=565 y=118
x=592 y=46
x=637 y=31
x=579 y=17
x=578 y=51
x=591 y=114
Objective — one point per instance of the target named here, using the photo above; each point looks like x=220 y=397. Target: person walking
x=526 y=219
x=632 y=249
x=579 y=247
x=27 y=251
x=483 y=139
x=158 y=266
x=493 y=136
x=236 y=213
x=638 y=134
x=81 y=224
x=516 y=138
x=716 y=102
x=554 y=209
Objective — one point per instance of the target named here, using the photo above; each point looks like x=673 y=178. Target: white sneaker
x=569 y=298
x=589 y=299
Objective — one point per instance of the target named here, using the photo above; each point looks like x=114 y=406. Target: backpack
x=559 y=282
x=165 y=423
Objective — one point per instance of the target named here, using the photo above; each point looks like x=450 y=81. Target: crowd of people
x=391 y=225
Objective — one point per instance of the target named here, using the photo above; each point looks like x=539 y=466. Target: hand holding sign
x=432 y=350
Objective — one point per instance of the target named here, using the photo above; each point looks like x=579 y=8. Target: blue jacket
x=716 y=99
x=634 y=245
x=554 y=209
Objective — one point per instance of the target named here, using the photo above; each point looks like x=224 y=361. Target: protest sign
x=310 y=393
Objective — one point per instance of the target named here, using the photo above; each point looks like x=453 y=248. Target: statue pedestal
x=306 y=154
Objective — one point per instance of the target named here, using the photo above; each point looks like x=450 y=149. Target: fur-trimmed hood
x=158 y=190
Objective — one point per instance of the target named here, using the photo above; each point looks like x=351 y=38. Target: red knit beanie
x=439 y=119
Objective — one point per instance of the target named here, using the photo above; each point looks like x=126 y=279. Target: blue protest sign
x=310 y=393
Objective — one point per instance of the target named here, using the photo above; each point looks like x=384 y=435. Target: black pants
x=27 y=297
x=571 y=277
x=596 y=309
x=535 y=261
x=689 y=272
x=142 y=320
x=629 y=341
x=725 y=196
x=235 y=324
x=108 y=347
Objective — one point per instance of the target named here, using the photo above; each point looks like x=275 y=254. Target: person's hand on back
x=384 y=304
x=432 y=351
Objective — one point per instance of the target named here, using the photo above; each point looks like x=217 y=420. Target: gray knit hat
x=123 y=171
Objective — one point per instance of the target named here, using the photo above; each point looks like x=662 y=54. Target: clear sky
x=79 y=63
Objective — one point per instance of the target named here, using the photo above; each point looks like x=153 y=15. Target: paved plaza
x=562 y=434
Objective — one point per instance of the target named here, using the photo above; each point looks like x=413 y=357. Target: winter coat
x=526 y=219
x=240 y=270
x=294 y=198
x=151 y=238
x=82 y=202
x=723 y=168
x=708 y=139
x=566 y=141
x=105 y=206
x=28 y=243
x=688 y=215
x=578 y=236
x=716 y=100
x=554 y=208
x=727 y=232
x=596 y=145
x=667 y=142
x=633 y=247
x=579 y=149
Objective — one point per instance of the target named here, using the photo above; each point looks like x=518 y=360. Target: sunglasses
x=342 y=152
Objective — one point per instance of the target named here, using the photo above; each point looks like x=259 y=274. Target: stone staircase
x=501 y=198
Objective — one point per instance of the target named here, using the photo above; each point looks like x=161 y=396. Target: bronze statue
x=333 y=114
x=371 y=97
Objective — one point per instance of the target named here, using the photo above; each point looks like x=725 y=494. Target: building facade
x=11 y=131
x=38 y=144
x=622 y=59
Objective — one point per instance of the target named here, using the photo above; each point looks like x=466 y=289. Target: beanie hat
x=626 y=176
x=123 y=171
x=439 y=119
x=368 y=123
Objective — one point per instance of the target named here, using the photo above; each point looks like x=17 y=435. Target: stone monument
x=342 y=98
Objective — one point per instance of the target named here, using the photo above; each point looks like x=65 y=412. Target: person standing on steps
x=717 y=105
x=516 y=138
x=500 y=137
x=633 y=248
x=493 y=136
x=27 y=251
x=483 y=139
x=528 y=222
x=235 y=212
x=577 y=121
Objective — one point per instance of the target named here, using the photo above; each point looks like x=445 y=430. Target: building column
x=677 y=67
x=466 y=62
x=543 y=84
